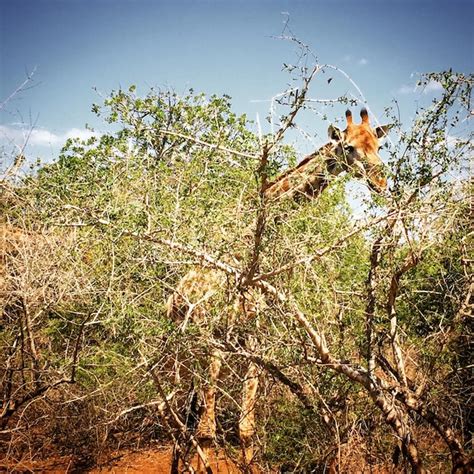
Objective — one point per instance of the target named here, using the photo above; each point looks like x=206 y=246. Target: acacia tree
x=348 y=314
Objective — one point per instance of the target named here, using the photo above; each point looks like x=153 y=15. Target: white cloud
x=406 y=89
x=81 y=133
x=352 y=60
x=432 y=87
x=452 y=141
x=41 y=136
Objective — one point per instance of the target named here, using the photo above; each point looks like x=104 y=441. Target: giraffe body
x=354 y=150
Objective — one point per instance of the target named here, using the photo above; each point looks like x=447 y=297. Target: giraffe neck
x=309 y=178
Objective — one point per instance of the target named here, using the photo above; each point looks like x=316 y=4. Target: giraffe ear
x=334 y=133
x=382 y=131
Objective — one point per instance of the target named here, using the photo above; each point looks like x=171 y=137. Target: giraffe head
x=357 y=149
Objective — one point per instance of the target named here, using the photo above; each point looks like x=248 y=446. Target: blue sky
x=216 y=47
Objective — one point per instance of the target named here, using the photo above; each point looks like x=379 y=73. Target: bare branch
x=209 y=145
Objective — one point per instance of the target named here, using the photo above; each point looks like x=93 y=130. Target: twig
x=209 y=145
x=159 y=404
x=320 y=253
x=20 y=88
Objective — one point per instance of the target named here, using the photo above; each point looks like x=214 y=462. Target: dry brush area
x=157 y=291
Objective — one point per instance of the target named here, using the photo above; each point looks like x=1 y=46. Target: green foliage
x=185 y=170
x=294 y=436
x=436 y=141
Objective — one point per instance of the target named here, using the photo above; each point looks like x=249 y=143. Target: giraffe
x=354 y=150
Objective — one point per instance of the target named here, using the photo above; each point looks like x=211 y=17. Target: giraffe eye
x=349 y=148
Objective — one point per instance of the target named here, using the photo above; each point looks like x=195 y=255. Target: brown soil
x=158 y=461
x=146 y=461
